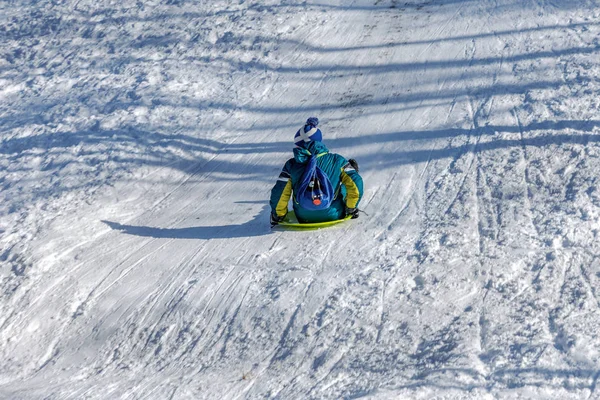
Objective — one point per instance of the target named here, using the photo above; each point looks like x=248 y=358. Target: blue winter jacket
x=344 y=179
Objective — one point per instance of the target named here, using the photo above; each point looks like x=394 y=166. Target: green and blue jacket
x=344 y=179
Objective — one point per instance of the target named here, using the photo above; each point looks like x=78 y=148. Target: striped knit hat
x=309 y=132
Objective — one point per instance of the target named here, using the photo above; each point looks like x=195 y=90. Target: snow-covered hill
x=139 y=143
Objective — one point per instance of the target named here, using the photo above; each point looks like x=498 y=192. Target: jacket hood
x=303 y=152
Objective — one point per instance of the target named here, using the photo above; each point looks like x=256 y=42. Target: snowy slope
x=139 y=143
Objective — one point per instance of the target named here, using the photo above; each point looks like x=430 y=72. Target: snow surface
x=139 y=143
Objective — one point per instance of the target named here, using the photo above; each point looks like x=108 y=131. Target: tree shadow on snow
x=71 y=138
x=257 y=226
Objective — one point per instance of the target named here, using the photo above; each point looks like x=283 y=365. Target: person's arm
x=281 y=194
x=354 y=185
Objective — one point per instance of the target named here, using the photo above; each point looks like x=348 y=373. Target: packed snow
x=139 y=142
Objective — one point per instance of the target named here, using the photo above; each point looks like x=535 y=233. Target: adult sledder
x=324 y=186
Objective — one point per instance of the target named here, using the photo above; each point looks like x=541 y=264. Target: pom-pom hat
x=309 y=132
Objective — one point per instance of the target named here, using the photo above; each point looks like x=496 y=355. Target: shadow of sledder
x=258 y=226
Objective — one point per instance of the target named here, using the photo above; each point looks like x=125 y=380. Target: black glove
x=352 y=211
x=275 y=219
x=354 y=164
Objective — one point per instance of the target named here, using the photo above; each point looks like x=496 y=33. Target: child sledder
x=324 y=186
